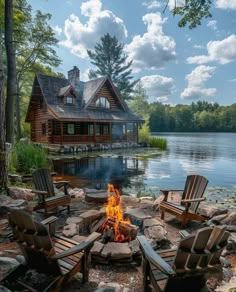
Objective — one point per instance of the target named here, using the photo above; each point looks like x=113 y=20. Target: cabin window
x=102 y=102
x=44 y=129
x=105 y=130
x=70 y=129
x=69 y=100
x=130 y=128
x=98 y=130
x=90 y=129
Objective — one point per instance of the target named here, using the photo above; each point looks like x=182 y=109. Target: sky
x=176 y=65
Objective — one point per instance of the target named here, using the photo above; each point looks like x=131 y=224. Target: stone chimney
x=74 y=78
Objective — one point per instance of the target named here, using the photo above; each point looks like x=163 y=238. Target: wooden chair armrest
x=50 y=223
x=39 y=192
x=49 y=220
x=184 y=233
x=62 y=182
x=87 y=243
x=153 y=257
x=193 y=200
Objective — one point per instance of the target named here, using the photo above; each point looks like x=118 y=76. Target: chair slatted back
x=34 y=241
x=201 y=250
x=195 y=186
x=43 y=182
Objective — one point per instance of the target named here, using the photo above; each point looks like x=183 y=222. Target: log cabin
x=69 y=111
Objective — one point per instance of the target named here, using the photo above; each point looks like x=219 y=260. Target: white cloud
x=153 y=49
x=212 y=24
x=57 y=29
x=222 y=52
x=152 y=4
x=198 y=47
x=158 y=88
x=82 y=36
x=226 y=4
x=189 y=39
x=196 y=81
x=233 y=80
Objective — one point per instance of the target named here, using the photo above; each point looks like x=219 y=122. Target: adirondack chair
x=186 y=210
x=56 y=256
x=44 y=188
x=186 y=268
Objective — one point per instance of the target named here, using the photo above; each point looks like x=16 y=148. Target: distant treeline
x=201 y=116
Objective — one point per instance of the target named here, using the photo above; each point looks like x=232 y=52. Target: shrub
x=157 y=142
x=27 y=157
x=145 y=136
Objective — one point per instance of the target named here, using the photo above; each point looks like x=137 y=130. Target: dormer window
x=69 y=100
x=102 y=102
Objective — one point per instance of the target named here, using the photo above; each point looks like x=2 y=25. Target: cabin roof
x=69 y=112
x=54 y=87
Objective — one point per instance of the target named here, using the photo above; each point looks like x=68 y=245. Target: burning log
x=128 y=230
x=100 y=223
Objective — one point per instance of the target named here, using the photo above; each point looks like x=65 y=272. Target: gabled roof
x=50 y=86
x=64 y=90
x=54 y=87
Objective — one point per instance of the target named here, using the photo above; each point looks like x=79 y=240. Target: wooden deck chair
x=55 y=256
x=186 y=210
x=186 y=268
x=44 y=188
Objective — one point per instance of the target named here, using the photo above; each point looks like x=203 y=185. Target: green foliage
x=110 y=60
x=139 y=101
x=145 y=136
x=201 y=116
x=192 y=12
x=27 y=157
x=157 y=142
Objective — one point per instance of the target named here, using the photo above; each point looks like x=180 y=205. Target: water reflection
x=211 y=155
x=99 y=171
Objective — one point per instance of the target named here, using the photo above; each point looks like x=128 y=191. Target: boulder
x=211 y=210
x=116 y=250
x=8 y=203
x=70 y=230
x=21 y=193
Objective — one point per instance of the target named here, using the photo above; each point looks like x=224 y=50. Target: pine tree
x=109 y=58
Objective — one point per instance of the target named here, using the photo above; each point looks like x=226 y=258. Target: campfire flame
x=115 y=212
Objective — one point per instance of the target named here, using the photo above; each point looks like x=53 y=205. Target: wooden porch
x=86 y=132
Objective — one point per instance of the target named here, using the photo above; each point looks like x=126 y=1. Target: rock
x=21 y=193
x=116 y=250
x=152 y=222
x=158 y=234
x=90 y=215
x=230 y=219
x=157 y=202
x=75 y=220
x=7 y=264
x=70 y=230
x=21 y=259
x=97 y=248
x=137 y=215
x=134 y=246
x=128 y=200
x=109 y=287
x=209 y=210
x=8 y=203
x=77 y=193
x=96 y=196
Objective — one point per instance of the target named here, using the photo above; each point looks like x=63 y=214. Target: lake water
x=212 y=155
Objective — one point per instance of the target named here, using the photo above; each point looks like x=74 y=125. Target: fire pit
x=113 y=225
x=118 y=244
